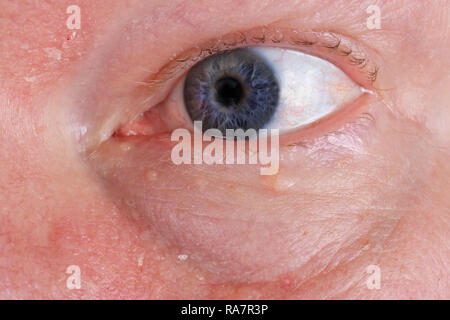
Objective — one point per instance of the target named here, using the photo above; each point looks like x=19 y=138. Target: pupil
x=229 y=91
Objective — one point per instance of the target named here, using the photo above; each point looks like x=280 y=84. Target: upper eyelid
x=307 y=39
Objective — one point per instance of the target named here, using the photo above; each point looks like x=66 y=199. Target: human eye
x=277 y=79
x=264 y=87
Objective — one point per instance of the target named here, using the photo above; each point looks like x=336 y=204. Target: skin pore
x=369 y=186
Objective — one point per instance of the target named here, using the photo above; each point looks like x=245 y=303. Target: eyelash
x=308 y=41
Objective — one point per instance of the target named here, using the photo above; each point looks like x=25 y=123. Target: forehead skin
x=54 y=213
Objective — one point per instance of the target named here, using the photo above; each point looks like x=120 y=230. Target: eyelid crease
x=329 y=41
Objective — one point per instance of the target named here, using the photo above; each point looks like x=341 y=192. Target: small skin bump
x=344 y=162
x=53 y=53
x=125 y=146
x=279 y=183
x=151 y=175
x=141 y=260
x=283 y=183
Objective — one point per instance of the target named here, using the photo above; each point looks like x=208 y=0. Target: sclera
x=310 y=88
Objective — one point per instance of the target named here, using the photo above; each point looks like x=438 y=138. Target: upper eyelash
x=326 y=40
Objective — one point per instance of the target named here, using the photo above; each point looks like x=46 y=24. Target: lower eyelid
x=338 y=122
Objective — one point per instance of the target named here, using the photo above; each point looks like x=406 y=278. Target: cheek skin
x=332 y=202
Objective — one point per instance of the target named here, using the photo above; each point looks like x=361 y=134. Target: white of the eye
x=310 y=87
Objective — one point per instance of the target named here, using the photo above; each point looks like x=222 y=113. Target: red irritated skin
x=87 y=178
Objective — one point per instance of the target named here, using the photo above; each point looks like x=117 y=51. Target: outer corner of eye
x=265 y=87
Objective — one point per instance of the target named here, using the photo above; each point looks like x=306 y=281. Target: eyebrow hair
x=329 y=41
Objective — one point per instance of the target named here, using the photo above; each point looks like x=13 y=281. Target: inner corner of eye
x=265 y=88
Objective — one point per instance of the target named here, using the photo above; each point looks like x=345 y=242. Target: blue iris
x=231 y=90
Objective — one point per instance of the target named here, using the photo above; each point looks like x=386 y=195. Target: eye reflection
x=265 y=87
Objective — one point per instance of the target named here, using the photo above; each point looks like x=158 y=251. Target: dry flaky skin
x=369 y=189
